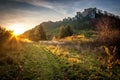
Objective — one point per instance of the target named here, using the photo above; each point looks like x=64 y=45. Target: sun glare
x=18 y=29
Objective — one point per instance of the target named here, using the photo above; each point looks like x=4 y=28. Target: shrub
x=107 y=34
x=111 y=60
x=4 y=35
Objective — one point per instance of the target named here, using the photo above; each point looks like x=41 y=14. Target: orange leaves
x=107 y=50
x=110 y=58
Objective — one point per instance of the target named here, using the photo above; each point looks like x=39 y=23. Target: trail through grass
x=41 y=65
x=36 y=61
x=38 y=64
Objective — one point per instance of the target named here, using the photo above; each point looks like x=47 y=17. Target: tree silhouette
x=4 y=35
x=107 y=33
x=62 y=32
x=40 y=33
x=65 y=31
x=68 y=31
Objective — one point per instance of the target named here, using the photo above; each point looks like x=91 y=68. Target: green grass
x=88 y=33
x=83 y=63
x=34 y=63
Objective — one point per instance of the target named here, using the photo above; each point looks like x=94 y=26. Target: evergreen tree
x=40 y=33
x=68 y=31
x=43 y=33
x=62 y=32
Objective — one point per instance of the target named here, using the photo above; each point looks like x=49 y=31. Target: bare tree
x=106 y=33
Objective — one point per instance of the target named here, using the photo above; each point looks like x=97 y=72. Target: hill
x=85 y=20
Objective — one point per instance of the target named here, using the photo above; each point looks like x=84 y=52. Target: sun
x=17 y=29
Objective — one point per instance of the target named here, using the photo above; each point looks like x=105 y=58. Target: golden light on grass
x=17 y=29
x=26 y=40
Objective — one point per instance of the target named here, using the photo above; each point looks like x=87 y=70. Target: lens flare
x=17 y=29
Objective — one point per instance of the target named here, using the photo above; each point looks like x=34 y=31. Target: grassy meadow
x=59 y=39
x=63 y=59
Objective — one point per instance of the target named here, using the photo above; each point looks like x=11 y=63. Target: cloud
x=42 y=3
x=28 y=17
x=36 y=11
x=61 y=6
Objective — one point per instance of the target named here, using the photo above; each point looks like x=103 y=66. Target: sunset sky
x=28 y=13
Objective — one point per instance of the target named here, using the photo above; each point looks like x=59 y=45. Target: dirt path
x=40 y=65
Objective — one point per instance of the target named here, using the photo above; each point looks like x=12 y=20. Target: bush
x=4 y=36
x=107 y=34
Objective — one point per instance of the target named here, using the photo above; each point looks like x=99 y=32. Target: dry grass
x=82 y=59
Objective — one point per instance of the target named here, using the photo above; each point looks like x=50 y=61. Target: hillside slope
x=82 y=21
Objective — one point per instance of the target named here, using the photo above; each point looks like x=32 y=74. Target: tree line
x=39 y=33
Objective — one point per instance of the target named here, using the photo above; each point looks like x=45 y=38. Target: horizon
x=29 y=13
